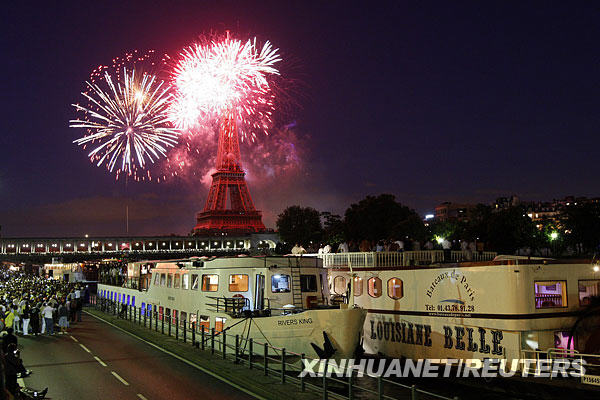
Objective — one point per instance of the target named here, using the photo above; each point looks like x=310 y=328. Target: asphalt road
x=97 y=361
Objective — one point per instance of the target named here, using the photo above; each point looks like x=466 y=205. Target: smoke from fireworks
x=222 y=77
x=126 y=121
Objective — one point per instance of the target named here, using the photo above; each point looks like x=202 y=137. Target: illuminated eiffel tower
x=228 y=188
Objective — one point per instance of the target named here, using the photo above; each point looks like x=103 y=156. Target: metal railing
x=253 y=354
x=590 y=362
x=397 y=259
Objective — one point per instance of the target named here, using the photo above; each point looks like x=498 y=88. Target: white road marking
x=100 y=361
x=85 y=348
x=73 y=337
x=141 y=396
x=188 y=362
x=123 y=381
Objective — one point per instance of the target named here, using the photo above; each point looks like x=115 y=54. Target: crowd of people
x=387 y=246
x=31 y=305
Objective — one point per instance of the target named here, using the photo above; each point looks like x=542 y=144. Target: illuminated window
x=395 y=289
x=339 y=285
x=238 y=283
x=194 y=282
x=219 y=323
x=587 y=290
x=358 y=286
x=163 y=279
x=176 y=281
x=185 y=282
x=374 y=287
x=156 y=279
x=308 y=283
x=210 y=283
x=169 y=280
x=204 y=323
x=280 y=283
x=550 y=294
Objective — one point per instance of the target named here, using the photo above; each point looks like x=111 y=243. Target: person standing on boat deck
x=446 y=246
x=327 y=249
x=343 y=247
x=379 y=247
x=297 y=249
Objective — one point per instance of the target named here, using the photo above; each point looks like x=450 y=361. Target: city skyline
x=430 y=103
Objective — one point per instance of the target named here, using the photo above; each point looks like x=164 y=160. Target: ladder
x=296 y=285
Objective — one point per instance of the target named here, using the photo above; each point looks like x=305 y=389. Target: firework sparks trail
x=227 y=76
x=129 y=120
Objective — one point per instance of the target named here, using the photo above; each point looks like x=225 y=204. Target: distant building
x=503 y=203
x=448 y=211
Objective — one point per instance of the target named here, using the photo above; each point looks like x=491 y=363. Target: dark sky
x=430 y=101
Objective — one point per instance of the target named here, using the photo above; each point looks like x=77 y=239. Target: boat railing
x=124 y=282
x=585 y=366
x=402 y=258
x=234 y=305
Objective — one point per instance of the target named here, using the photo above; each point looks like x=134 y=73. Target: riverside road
x=97 y=361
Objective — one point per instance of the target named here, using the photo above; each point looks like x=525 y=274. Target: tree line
x=507 y=231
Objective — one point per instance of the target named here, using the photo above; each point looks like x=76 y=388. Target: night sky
x=429 y=101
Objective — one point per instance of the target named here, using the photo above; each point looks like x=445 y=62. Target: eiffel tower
x=228 y=188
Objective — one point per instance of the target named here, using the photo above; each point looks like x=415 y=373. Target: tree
x=333 y=228
x=382 y=217
x=299 y=225
x=509 y=230
x=583 y=223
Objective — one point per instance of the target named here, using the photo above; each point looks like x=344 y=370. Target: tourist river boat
x=278 y=300
x=431 y=304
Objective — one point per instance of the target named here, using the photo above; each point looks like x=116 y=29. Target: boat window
x=160 y=313
x=210 y=283
x=219 y=323
x=280 y=283
x=176 y=281
x=185 y=282
x=194 y=281
x=550 y=294
x=128 y=300
x=339 y=285
x=238 y=283
x=395 y=288
x=308 y=283
x=374 y=287
x=169 y=280
x=175 y=317
x=204 y=323
x=167 y=314
x=564 y=340
x=182 y=318
x=358 y=286
x=149 y=310
x=156 y=276
x=587 y=290
x=163 y=279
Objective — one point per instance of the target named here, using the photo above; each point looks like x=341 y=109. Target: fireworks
x=127 y=122
x=225 y=77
